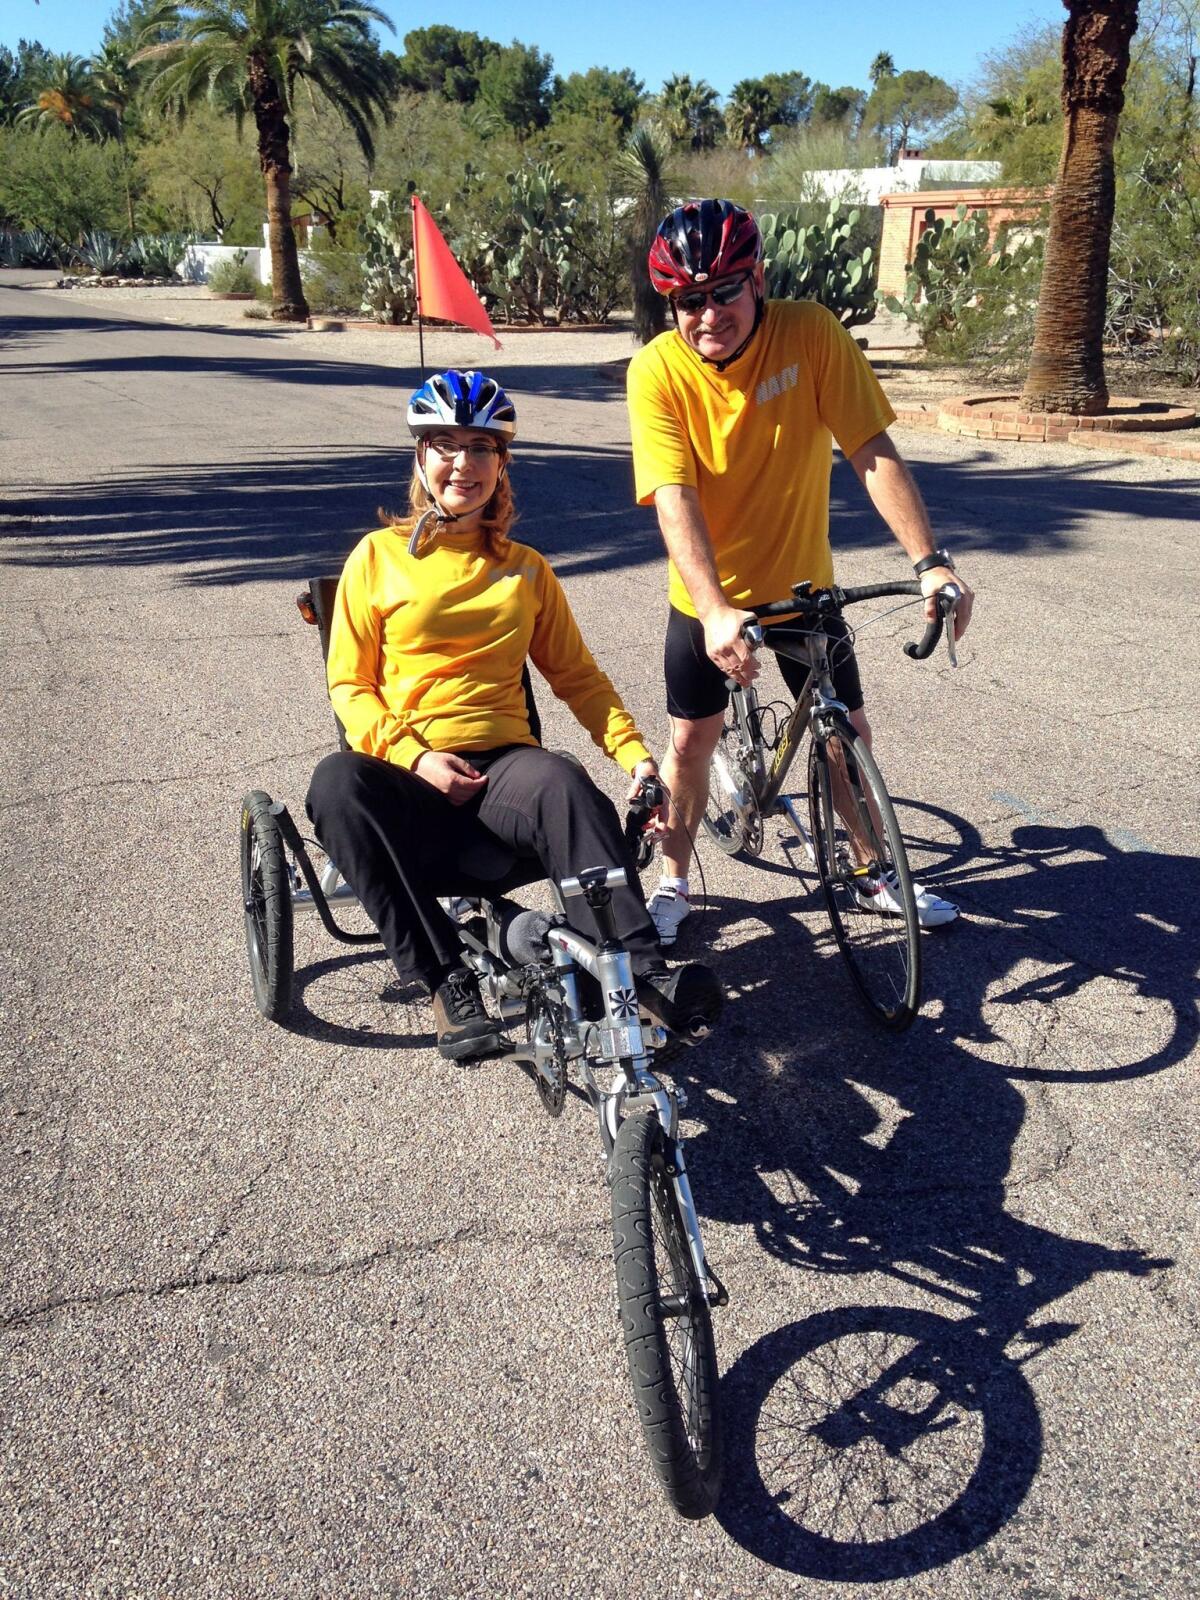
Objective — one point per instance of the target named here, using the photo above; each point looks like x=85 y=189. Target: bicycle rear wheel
x=665 y=1318
x=731 y=816
x=864 y=874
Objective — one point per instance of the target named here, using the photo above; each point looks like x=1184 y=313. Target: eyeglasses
x=722 y=294
x=450 y=450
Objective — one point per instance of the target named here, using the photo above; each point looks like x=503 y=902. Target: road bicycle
x=574 y=1000
x=851 y=836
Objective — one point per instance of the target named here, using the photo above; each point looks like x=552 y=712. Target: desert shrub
x=233 y=275
x=335 y=277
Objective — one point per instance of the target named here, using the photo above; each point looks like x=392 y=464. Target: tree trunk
x=1066 y=367
x=287 y=287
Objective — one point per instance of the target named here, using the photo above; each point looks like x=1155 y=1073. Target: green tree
x=644 y=174
x=50 y=179
x=882 y=67
x=691 y=112
x=19 y=71
x=65 y=94
x=749 y=113
x=202 y=178
x=836 y=106
x=515 y=83
x=332 y=174
x=255 y=56
x=599 y=93
x=1066 y=368
x=906 y=105
x=791 y=97
x=445 y=61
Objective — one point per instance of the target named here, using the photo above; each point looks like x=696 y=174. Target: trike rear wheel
x=267 y=904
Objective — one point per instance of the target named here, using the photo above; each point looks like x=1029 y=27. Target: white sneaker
x=667 y=908
x=883 y=895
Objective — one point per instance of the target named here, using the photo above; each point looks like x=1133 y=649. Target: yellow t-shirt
x=755 y=442
x=426 y=652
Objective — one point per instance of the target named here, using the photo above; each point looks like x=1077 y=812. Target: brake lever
x=948 y=614
x=640 y=810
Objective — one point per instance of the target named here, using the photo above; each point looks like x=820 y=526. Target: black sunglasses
x=723 y=294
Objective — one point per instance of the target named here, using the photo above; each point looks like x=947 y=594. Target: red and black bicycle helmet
x=701 y=240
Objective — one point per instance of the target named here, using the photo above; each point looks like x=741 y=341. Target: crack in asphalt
x=234 y=1277
x=295 y=1117
x=103 y=786
x=566 y=1241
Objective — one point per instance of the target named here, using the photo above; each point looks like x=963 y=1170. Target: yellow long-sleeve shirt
x=426 y=652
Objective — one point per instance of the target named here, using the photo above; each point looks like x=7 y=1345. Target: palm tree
x=749 y=114
x=251 y=56
x=67 y=95
x=1066 y=367
x=882 y=67
x=690 y=111
x=642 y=173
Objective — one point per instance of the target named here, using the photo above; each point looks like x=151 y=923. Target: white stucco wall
x=202 y=257
x=866 y=184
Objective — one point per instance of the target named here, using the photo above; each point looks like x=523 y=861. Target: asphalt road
x=311 y=1313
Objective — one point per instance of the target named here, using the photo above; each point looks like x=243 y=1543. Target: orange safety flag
x=442 y=287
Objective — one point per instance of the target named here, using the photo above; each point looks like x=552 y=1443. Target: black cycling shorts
x=696 y=688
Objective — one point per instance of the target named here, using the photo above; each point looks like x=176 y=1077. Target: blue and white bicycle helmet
x=454 y=399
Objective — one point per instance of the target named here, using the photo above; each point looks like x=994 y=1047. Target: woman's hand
x=656 y=824
x=451 y=775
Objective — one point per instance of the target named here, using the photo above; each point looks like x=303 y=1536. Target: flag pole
x=412 y=201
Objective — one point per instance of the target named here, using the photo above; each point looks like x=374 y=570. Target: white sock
x=680 y=885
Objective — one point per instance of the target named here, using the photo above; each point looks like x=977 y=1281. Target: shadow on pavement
x=244 y=521
x=876 y=1441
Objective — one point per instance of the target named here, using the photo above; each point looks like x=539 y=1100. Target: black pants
x=397 y=840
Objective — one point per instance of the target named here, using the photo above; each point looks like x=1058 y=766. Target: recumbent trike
x=529 y=965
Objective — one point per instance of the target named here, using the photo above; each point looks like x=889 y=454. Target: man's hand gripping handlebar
x=809 y=605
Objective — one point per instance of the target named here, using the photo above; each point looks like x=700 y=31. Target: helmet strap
x=759 y=312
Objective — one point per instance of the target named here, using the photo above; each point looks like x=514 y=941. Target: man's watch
x=939 y=558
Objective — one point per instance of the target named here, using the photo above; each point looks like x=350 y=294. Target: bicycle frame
x=815 y=706
x=620 y=1040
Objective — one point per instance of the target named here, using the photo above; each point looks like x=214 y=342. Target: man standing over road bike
x=733 y=414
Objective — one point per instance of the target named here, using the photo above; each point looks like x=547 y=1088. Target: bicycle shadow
x=1109 y=926
x=873 y=1442
x=1074 y=959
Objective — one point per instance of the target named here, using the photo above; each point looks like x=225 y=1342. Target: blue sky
x=721 y=40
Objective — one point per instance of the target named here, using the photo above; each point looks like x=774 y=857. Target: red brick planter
x=1000 y=417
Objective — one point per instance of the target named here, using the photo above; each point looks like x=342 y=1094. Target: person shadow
x=895 y=1430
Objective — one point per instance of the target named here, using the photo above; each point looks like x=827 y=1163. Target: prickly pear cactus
x=955 y=263
x=385 y=236
x=817 y=263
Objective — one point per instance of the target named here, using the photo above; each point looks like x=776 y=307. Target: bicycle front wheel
x=665 y=1318
x=864 y=874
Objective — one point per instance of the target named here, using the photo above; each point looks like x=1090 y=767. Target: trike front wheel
x=665 y=1318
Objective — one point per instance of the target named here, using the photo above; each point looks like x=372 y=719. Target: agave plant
x=157 y=255
x=39 y=249
x=103 y=252
x=10 y=249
